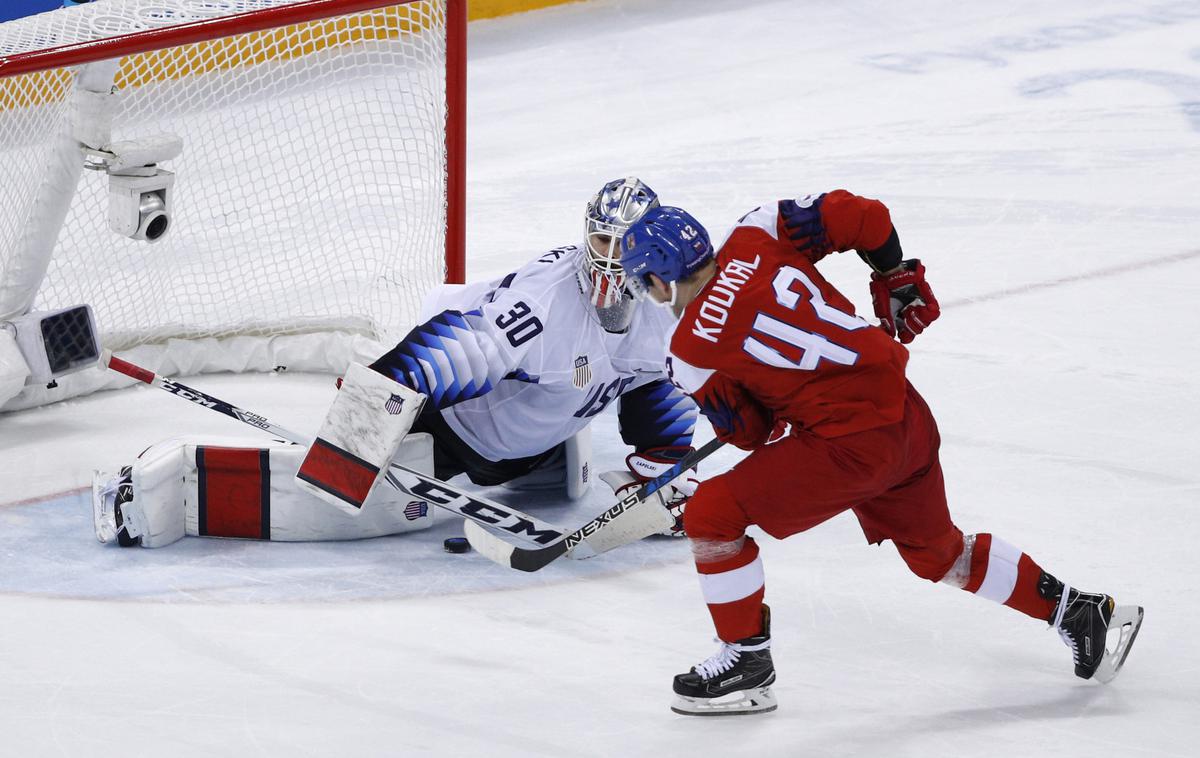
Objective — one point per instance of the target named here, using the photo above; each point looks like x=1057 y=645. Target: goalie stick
x=520 y=526
x=495 y=548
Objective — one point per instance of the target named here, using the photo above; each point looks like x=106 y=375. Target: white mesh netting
x=310 y=196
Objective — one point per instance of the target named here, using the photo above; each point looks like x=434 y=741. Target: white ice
x=1040 y=158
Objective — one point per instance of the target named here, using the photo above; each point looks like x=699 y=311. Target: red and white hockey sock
x=731 y=578
x=992 y=568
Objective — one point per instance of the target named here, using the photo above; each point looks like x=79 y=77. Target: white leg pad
x=157 y=512
x=579 y=463
x=362 y=431
x=233 y=488
x=572 y=469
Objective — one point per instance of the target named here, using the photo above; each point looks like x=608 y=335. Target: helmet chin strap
x=667 y=303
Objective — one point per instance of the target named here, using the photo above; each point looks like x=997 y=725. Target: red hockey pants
x=890 y=477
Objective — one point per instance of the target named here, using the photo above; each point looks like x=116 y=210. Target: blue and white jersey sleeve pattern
x=655 y=415
x=457 y=356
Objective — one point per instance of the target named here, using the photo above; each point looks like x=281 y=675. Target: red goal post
x=323 y=152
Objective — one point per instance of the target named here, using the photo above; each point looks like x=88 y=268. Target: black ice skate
x=1086 y=621
x=735 y=680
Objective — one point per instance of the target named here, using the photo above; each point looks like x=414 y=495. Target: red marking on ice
x=45 y=498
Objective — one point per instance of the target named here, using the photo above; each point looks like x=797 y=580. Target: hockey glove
x=648 y=464
x=903 y=301
x=804 y=227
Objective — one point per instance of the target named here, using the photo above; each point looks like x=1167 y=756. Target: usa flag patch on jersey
x=583 y=373
x=394 y=404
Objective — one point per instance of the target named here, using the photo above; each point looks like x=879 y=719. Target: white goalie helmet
x=618 y=204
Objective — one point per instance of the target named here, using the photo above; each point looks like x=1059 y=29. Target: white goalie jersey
x=520 y=364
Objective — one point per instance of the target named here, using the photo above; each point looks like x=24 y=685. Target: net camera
x=139 y=192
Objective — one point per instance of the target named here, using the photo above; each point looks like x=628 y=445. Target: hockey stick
x=640 y=522
x=521 y=526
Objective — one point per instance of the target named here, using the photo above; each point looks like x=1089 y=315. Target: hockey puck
x=456 y=545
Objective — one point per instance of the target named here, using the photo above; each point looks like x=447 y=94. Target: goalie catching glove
x=648 y=465
x=903 y=301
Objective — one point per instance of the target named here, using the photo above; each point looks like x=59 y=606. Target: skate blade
x=1127 y=620
x=755 y=700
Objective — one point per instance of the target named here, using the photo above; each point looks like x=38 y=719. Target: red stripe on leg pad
x=338 y=472
x=231 y=492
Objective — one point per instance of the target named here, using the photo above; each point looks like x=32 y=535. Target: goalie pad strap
x=338 y=472
x=233 y=492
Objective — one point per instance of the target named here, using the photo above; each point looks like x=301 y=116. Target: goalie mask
x=609 y=214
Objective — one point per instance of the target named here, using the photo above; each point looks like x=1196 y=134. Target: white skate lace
x=1058 y=617
x=108 y=491
x=728 y=654
x=720 y=661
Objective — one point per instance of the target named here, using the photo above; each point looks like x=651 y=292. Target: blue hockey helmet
x=667 y=242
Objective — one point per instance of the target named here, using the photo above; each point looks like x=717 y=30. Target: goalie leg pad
x=579 y=463
x=151 y=491
x=188 y=487
x=297 y=516
x=362 y=431
x=571 y=467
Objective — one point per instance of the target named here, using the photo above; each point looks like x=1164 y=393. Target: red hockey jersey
x=769 y=339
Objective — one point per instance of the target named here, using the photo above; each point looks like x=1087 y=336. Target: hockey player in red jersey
x=763 y=341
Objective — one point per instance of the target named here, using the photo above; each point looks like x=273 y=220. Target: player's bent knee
x=713 y=514
x=715 y=551
x=935 y=559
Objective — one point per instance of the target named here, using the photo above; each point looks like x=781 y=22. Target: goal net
x=308 y=208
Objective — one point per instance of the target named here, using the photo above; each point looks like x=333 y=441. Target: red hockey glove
x=647 y=465
x=903 y=301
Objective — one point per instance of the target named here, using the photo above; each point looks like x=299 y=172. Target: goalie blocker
x=362 y=431
x=235 y=489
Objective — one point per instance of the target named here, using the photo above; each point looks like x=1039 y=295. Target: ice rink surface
x=1040 y=158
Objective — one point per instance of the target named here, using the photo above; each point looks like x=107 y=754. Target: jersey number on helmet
x=813 y=347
